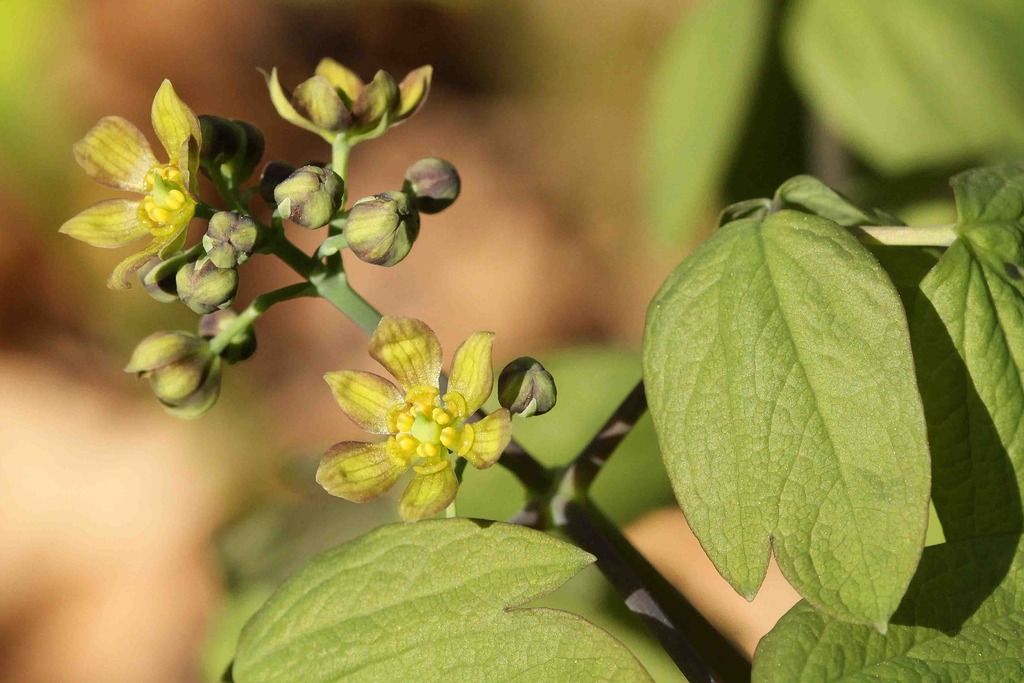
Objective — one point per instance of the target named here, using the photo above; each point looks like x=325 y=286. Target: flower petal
x=472 y=375
x=409 y=350
x=360 y=471
x=115 y=153
x=490 y=438
x=341 y=78
x=123 y=271
x=110 y=224
x=428 y=494
x=282 y=103
x=412 y=92
x=365 y=397
x=176 y=126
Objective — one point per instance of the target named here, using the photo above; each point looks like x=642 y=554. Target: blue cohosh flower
x=115 y=153
x=424 y=428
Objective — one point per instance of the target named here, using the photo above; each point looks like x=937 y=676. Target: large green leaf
x=968 y=334
x=964 y=618
x=430 y=602
x=909 y=83
x=778 y=369
x=700 y=96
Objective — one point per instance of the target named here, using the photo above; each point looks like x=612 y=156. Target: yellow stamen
x=455 y=403
x=157 y=214
x=427 y=450
x=440 y=417
x=407 y=443
x=404 y=422
x=175 y=200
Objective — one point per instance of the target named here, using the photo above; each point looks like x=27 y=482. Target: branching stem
x=906 y=235
x=255 y=309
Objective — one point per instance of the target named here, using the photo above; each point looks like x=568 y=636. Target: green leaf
x=968 y=334
x=430 y=601
x=962 y=619
x=963 y=616
x=701 y=91
x=778 y=370
x=915 y=82
x=810 y=195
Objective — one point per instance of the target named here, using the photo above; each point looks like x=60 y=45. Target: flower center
x=165 y=200
x=427 y=428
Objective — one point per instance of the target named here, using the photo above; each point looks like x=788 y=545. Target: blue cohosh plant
x=817 y=374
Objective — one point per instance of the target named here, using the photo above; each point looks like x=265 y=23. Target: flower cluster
x=428 y=423
x=425 y=427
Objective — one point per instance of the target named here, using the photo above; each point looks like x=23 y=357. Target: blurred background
x=596 y=140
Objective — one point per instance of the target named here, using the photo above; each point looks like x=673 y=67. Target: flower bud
x=378 y=99
x=182 y=372
x=412 y=92
x=318 y=100
x=381 y=229
x=274 y=173
x=310 y=196
x=232 y=148
x=240 y=347
x=204 y=287
x=526 y=388
x=158 y=280
x=229 y=239
x=162 y=348
x=434 y=182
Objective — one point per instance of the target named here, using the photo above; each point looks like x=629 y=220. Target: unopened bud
x=434 y=182
x=274 y=173
x=526 y=388
x=412 y=92
x=162 y=348
x=182 y=372
x=381 y=229
x=204 y=287
x=310 y=196
x=241 y=346
x=158 y=280
x=232 y=148
x=375 y=101
x=317 y=99
x=229 y=239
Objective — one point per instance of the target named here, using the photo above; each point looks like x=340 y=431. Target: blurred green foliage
x=700 y=95
x=914 y=83
x=908 y=88
x=33 y=34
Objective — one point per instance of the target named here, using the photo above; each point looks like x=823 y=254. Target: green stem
x=227 y=193
x=340 y=151
x=907 y=236
x=336 y=289
x=296 y=259
x=255 y=309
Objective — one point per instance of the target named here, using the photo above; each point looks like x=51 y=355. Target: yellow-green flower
x=115 y=153
x=424 y=427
